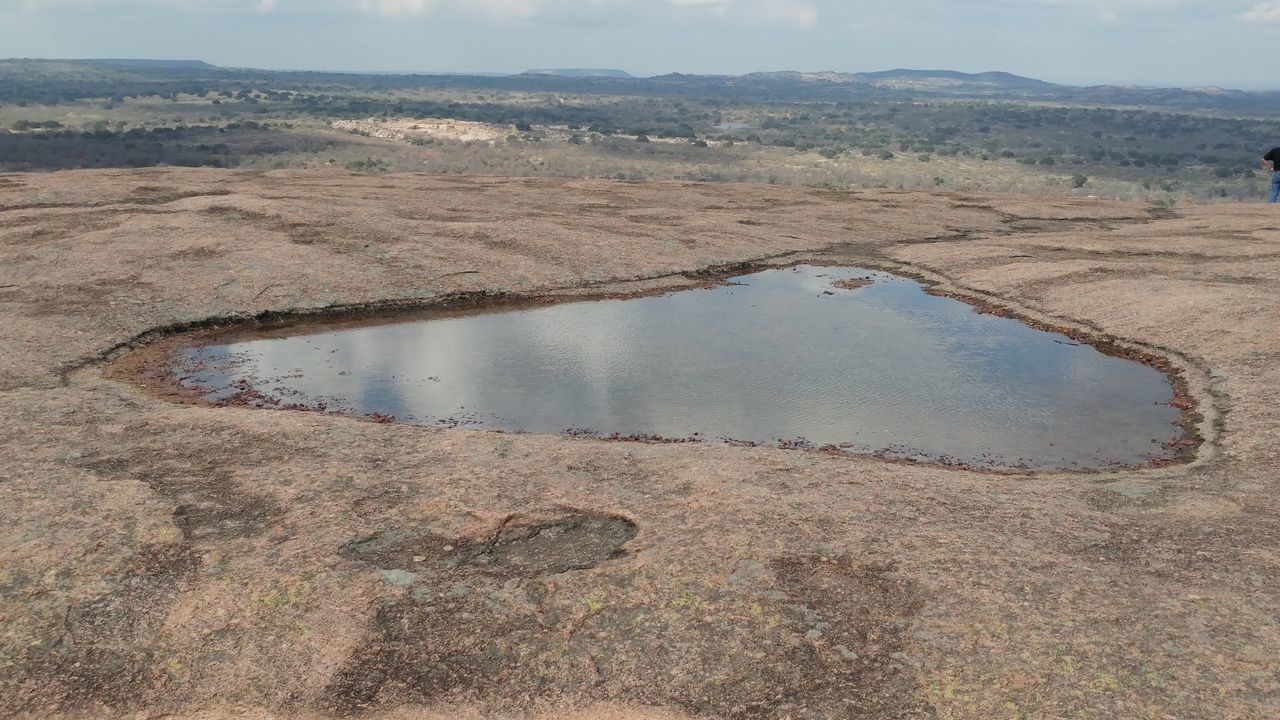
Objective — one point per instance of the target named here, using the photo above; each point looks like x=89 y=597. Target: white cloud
x=490 y=9
x=397 y=7
x=792 y=11
x=32 y=7
x=1264 y=12
x=781 y=13
x=801 y=13
x=1105 y=11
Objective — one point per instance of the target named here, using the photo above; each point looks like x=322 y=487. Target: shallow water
x=781 y=356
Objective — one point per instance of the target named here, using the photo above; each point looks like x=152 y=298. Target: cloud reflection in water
x=784 y=355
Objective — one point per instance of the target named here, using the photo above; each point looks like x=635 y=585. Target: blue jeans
x=1275 y=187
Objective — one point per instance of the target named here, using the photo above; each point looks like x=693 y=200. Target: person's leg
x=1275 y=187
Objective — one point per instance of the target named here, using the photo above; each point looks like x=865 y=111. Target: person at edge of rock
x=1269 y=162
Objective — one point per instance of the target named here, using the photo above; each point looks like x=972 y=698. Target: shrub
x=368 y=165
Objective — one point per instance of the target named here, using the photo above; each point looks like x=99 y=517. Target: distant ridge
x=159 y=64
x=582 y=73
x=899 y=72
x=904 y=78
x=39 y=79
x=994 y=76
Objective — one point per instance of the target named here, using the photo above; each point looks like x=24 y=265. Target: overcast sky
x=1161 y=42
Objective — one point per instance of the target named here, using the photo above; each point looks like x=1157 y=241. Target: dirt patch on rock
x=834 y=645
x=210 y=504
x=156 y=195
x=521 y=546
x=111 y=641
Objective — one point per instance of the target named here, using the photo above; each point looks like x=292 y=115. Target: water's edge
x=147 y=360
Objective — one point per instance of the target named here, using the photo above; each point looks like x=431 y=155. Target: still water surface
x=777 y=357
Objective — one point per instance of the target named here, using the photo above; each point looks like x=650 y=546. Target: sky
x=1185 y=43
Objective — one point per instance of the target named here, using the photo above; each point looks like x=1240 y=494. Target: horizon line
x=633 y=76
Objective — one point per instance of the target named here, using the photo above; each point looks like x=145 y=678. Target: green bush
x=368 y=165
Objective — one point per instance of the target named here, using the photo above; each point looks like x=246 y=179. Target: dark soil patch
x=28 y=229
x=574 y=542
x=1184 y=551
x=138 y=603
x=520 y=547
x=153 y=195
x=659 y=220
x=1051 y=225
x=108 y=653
x=834 y=647
x=423 y=650
x=235 y=213
x=298 y=232
x=1106 y=500
x=444 y=215
x=382 y=499
x=225 y=512
x=68 y=299
x=211 y=504
x=198 y=253
x=851 y=663
x=302 y=233
x=448 y=634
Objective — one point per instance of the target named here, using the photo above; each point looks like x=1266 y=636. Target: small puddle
x=807 y=356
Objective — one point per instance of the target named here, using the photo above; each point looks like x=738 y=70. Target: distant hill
x=35 y=80
x=993 y=76
x=994 y=79
x=888 y=84
x=582 y=73
x=926 y=81
x=155 y=64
